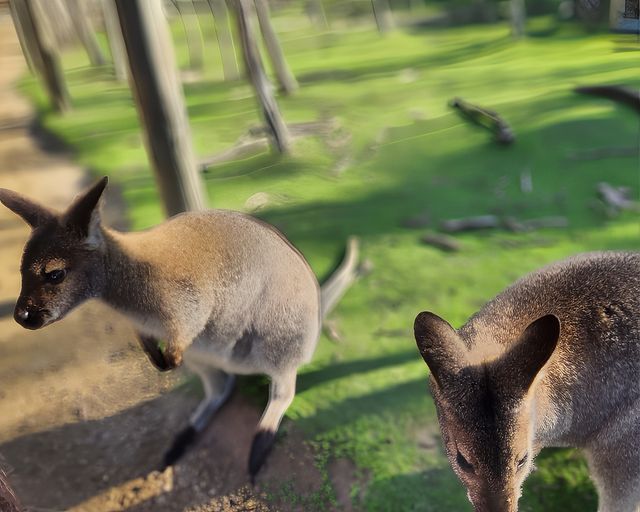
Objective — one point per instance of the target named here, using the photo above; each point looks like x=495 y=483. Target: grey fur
x=512 y=386
x=226 y=291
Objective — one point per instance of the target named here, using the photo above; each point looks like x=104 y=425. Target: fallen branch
x=600 y=153
x=617 y=198
x=489 y=119
x=470 y=223
x=509 y=223
x=625 y=95
x=256 y=140
x=443 y=242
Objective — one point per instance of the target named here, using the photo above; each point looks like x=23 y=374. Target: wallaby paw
x=260 y=448
x=172 y=358
x=180 y=444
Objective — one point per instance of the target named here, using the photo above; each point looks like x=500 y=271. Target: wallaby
x=554 y=360
x=225 y=290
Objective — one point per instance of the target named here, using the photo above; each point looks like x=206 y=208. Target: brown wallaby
x=225 y=290
x=554 y=360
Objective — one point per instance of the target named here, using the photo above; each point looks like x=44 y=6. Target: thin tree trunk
x=255 y=71
x=116 y=44
x=84 y=29
x=225 y=40
x=25 y=41
x=317 y=15
x=382 y=14
x=192 y=32
x=160 y=102
x=518 y=16
x=287 y=81
x=40 y=43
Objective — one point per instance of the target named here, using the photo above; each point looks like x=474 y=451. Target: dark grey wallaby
x=554 y=360
x=226 y=291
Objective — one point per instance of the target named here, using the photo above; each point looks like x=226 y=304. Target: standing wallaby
x=554 y=360
x=225 y=290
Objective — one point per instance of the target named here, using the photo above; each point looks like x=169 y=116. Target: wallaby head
x=63 y=260
x=485 y=404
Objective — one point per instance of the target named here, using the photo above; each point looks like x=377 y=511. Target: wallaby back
x=554 y=360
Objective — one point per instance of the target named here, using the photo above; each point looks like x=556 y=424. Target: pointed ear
x=440 y=346
x=33 y=214
x=83 y=216
x=520 y=366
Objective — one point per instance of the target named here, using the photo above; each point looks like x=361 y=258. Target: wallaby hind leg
x=281 y=392
x=218 y=386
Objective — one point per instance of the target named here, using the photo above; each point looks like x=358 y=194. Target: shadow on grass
x=339 y=370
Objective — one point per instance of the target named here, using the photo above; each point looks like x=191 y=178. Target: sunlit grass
x=366 y=397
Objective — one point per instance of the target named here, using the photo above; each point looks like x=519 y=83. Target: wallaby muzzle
x=28 y=315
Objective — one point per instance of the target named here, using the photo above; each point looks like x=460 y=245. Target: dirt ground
x=84 y=418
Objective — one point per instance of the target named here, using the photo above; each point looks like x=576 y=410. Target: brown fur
x=554 y=360
x=223 y=290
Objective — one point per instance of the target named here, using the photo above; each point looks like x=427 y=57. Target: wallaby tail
x=337 y=284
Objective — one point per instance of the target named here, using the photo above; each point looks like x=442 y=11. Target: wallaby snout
x=29 y=315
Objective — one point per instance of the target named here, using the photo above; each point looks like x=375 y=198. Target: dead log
x=470 y=223
x=443 y=242
x=625 y=95
x=601 y=153
x=503 y=133
x=617 y=198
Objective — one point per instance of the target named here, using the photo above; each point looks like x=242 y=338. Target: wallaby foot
x=281 y=392
x=182 y=441
x=164 y=361
x=262 y=443
x=218 y=387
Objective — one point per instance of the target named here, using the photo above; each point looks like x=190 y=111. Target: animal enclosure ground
x=398 y=153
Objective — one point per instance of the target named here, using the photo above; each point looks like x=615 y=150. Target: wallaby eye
x=464 y=464
x=523 y=461
x=55 y=276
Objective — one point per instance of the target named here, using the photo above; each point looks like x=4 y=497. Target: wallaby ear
x=440 y=346
x=83 y=216
x=520 y=366
x=33 y=214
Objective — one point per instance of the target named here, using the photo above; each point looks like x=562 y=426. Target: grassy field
x=400 y=152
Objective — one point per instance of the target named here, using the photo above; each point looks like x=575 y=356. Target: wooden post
x=160 y=103
x=44 y=55
x=276 y=126
x=285 y=78
x=25 y=42
x=382 y=14
x=116 y=44
x=225 y=40
x=84 y=29
x=518 y=17
x=192 y=31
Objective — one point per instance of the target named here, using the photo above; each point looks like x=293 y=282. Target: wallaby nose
x=28 y=316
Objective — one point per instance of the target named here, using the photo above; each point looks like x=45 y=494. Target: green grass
x=366 y=397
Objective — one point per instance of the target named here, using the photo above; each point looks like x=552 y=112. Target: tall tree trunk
x=287 y=81
x=26 y=40
x=225 y=40
x=39 y=40
x=317 y=15
x=192 y=32
x=84 y=29
x=382 y=14
x=116 y=44
x=518 y=17
x=255 y=71
x=160 y=102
